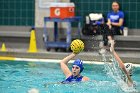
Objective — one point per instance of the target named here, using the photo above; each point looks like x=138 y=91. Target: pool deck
x=127 y=56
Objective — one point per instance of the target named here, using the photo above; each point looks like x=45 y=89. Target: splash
x=114 y=71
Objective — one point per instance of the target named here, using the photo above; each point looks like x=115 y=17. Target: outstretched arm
x=122 y=66
x=64 y=66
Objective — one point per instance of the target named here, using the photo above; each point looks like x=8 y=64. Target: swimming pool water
x=20 y=76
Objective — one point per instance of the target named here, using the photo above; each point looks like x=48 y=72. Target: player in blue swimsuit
x=77 y=68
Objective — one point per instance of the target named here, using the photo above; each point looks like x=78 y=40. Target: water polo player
x=77 y=67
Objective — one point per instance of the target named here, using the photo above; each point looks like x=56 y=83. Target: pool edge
x=51 y=60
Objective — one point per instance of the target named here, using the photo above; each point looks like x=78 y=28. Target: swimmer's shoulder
x=85 y=78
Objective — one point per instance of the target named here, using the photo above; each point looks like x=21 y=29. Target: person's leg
x=104 y=42
x=109 y=34
x=116 y=30
x=107 y=38
x=111 y=42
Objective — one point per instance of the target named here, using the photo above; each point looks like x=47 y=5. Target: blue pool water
x=20 y=77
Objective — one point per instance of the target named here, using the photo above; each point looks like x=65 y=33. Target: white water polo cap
x=129 y=67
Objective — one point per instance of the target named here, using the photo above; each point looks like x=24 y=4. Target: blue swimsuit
x=72 y=79
x=115 y=17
